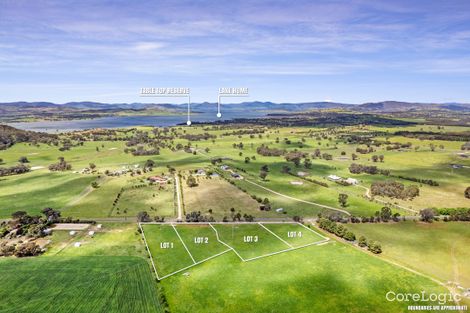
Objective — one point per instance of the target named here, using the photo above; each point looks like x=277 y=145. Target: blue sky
x=283 y=51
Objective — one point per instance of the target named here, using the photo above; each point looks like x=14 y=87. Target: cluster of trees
x=191 y=181
x=343 y=199
x=355 y=168
x=241 y=132
x=394 y=189
x=364 y=150
x=428 y=135
x=265 y=205
x=458 y=214
x=141 y=151
x=198 y=217
x=373 y=246
x=337 y=229
x=14 y=170
x=214 y=161
x=384 y=215
x=239 y=145
x=266 y=151
x=263 y=172
x=398 y=145
x=342 y=232
x=10 y=135
x=238 y=217
x=425 y=181
x=427 y=215
x=466 y=193
x=198 y=137
x=295 y=157
x=376 y=158
x=144 y=217
x=62 y=165
x=30 y=227
x=21 y=249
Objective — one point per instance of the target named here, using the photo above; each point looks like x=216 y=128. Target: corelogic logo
x=446 y=301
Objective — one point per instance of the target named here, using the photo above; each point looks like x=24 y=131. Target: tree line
x=342 y=232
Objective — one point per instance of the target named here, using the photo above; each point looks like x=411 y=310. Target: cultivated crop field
x=77 y=284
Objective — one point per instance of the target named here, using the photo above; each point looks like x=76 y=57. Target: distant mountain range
x=87 y=106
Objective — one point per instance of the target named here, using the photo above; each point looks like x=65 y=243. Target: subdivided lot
x=77 y=284
x=175 y=248
x=168 y=251
x=296 y=235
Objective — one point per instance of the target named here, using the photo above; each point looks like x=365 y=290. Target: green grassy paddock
x=327 y=278
x=169 y=259
x=261 y=241
x=294 y=234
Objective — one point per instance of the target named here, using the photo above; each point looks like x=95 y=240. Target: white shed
x=352 y=181
x=334 y=177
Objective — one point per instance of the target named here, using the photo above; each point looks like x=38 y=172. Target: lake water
x=128 y=121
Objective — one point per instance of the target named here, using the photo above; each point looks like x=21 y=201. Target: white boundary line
x=221 y=223
x=218 y=239
x=288 y=250
x=148 y=250
x=197 y=263
x=276 y=236
x=230 y=248
x=184 y=245
x=313 y=231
